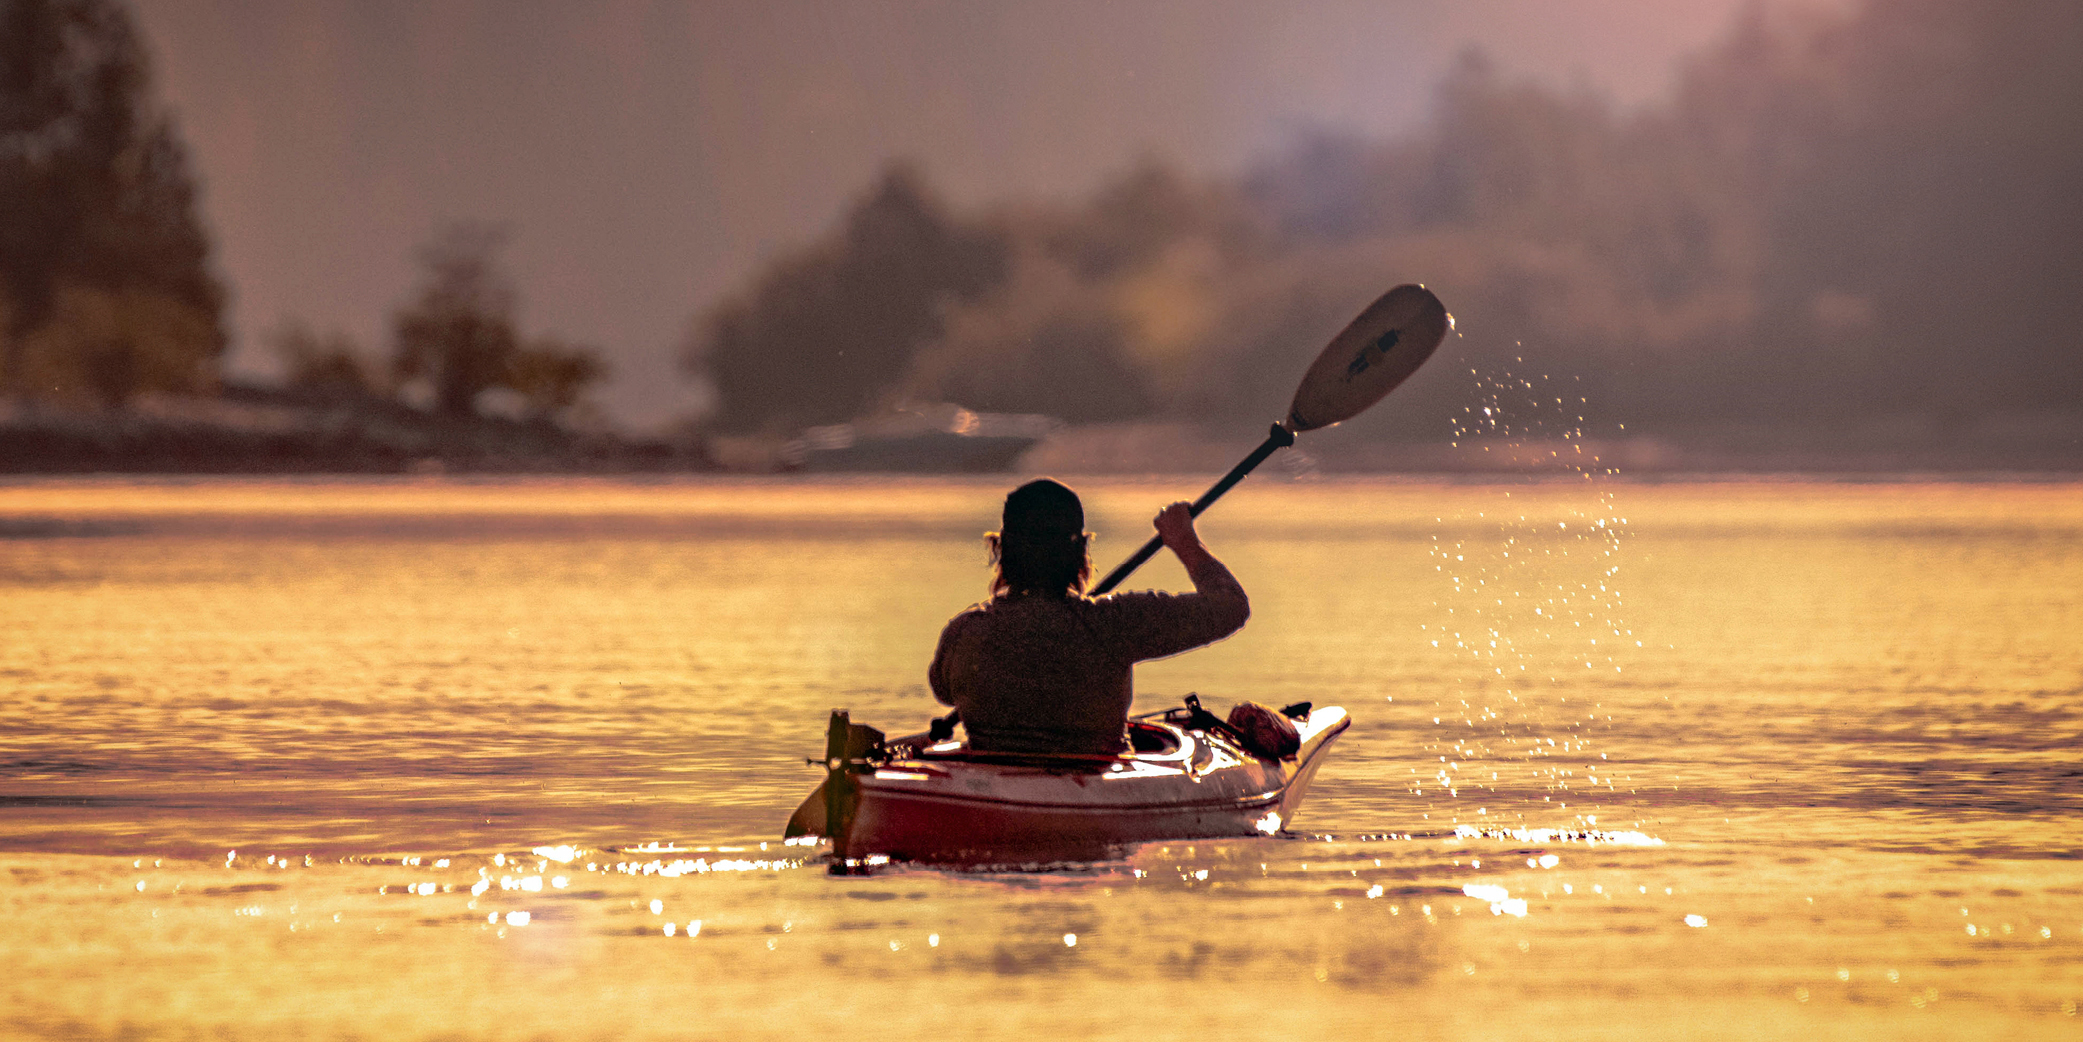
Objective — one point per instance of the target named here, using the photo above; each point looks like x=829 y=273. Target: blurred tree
x=105 y=347
x=103 y=260
x=1105 y=311
x=1046 y=342
x=1910 y=170
x=1134 y=220
x=826 y=332
x=458 y=333
x=550 y=375
x=459 y=336
x=329 y=365
x=1864 y=214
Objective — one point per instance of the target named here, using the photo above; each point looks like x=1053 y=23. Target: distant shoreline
x=263 y=431
x=251 y=430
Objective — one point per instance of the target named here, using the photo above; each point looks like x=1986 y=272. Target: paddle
x=1373 y=354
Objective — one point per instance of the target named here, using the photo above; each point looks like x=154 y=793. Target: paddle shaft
x=1279 y=438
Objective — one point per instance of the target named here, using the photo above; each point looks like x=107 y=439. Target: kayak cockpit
x=1148 y=742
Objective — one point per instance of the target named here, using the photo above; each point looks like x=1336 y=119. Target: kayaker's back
x=1028 y=675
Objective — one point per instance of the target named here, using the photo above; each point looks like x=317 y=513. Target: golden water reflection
x=510 y=759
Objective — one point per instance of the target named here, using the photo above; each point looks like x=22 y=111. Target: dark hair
x=1040 y=547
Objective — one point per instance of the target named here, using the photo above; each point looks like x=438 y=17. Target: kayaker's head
x=1040 y=544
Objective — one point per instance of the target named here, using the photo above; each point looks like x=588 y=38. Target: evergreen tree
x=105 y=285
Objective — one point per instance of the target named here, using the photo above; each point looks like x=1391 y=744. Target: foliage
x=822 y=334
x=459 y=337
x=106 y=347
x=328 y=365
x=103 y=261
x=1835 y=217
x=551 y=375
x=458 y=332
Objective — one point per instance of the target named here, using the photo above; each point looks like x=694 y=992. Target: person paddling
x=1042 y=668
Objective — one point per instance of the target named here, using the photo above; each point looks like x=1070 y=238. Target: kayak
x=1187 y=776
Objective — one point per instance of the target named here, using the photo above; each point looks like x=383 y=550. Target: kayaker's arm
x=937 y=674
x=1217 y=607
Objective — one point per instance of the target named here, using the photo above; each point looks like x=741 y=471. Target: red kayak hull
x=947 y=804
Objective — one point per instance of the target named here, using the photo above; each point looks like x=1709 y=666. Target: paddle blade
x=1376 y=352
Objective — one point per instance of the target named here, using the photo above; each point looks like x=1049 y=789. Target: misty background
x=1728 y=223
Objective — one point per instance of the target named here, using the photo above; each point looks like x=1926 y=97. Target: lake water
x=510 y=759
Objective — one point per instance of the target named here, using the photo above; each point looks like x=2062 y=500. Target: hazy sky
x=647 y=155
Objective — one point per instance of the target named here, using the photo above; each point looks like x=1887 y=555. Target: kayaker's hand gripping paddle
x=1361 y=365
